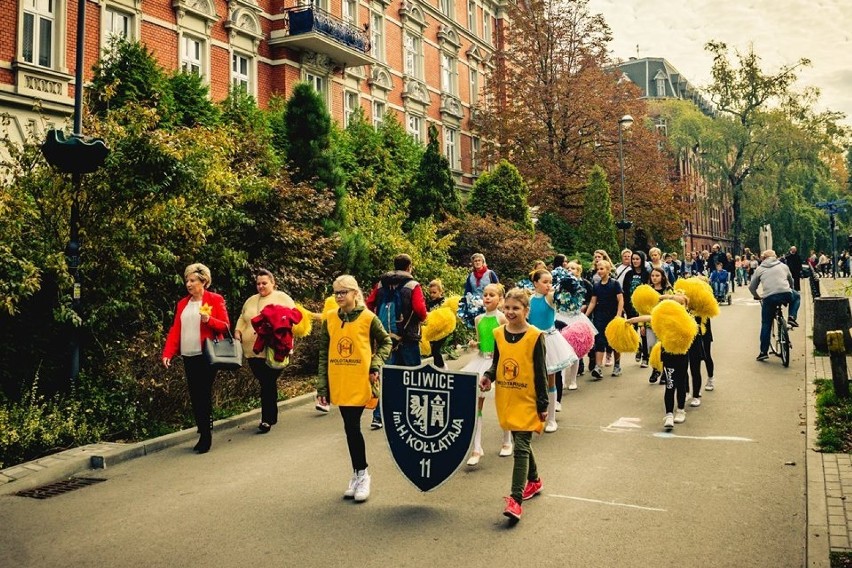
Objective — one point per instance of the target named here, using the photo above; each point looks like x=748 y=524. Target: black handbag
x=225 y=354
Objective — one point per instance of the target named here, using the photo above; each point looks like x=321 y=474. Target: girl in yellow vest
x=349 y=371
x=520 y=373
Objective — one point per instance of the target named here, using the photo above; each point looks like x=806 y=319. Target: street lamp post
x=623 y=124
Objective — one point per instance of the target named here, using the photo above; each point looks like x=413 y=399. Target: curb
x=76 y=461
x=817 y=551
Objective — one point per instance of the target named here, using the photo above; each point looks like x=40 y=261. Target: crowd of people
x=546 y=326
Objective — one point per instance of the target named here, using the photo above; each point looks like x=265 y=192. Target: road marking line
x=613 y=503
x=712 y=438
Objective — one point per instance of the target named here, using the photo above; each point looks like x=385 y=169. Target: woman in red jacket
x=199 y=316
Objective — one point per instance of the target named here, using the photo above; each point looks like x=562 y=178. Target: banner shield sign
x=429 y=416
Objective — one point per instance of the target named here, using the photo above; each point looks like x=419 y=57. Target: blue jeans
x=767 y=313
x=720 y=289
x=404 y=354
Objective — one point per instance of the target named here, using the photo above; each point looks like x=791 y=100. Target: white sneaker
x=572 y=386
x=558 y=406
x=668 y=423
x=474 y=458
x=362 y=491
x=695 y=402
x=709 y=386
x=324 y=408
x=551 y=426
x=680 y=416
x=353 y=484
x=506 y=450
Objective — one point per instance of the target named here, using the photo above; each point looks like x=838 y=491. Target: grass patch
x=834 y=419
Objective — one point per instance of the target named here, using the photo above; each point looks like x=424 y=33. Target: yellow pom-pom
x=644 y=298
x=452 y=303
x=330 y=304
x=656 y=359
x=303 y=328
x=621 y=336
x=701 y=300
x=673 y=326
x=439 y=323
x=425 y=348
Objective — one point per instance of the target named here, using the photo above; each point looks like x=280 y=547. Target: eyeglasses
x=341 y=293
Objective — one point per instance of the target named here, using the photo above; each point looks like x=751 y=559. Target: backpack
x=390 y=309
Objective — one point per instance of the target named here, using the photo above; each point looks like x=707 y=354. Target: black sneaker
x=654 y=376
x=376 y=424
x=762 y=357
x=597 y=374
x=791 y=321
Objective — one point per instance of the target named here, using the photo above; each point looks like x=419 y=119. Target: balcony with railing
x=308 y=28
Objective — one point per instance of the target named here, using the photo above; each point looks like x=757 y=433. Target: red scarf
x=479 y=273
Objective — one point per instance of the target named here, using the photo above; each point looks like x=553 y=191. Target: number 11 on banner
x=426 y=468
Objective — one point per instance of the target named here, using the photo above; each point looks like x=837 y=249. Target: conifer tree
x=502 y=193
x=597 y=230
x=434 y=193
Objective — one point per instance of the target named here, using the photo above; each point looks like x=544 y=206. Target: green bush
x=834 y=419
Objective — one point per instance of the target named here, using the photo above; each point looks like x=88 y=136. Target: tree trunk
x=831 y=314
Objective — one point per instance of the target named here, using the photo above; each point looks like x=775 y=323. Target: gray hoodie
x=774 y=275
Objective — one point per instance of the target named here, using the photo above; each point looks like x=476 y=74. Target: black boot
x=204 y=443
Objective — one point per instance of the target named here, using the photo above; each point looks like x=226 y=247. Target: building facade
x=712 y=216
x=424 y=60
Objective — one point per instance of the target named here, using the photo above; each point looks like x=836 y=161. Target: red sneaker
x=513 y=509
x=531 y=489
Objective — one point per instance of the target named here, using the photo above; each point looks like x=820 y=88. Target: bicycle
x=779 y=337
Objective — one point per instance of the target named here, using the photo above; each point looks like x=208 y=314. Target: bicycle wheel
x=773 y=338
x=784 y=343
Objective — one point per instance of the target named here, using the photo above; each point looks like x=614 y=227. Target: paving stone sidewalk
x=829 y=476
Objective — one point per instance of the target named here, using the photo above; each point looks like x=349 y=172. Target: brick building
x=712 y=216
x=425 y=60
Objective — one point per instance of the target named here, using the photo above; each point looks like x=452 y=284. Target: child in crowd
x=492 y=297
x=520 y=373
x=719 y=282
x=577 y=268
x=559 y=354
x=660 y=283
x=350 y=378
x=607 y=302
x=436 y=298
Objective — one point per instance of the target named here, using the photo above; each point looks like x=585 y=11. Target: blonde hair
x=652 y=250
x=199 y=270
x=577 y=264
x=438 y=284
x=605 y=263
x=497 y=287
x=347 y=281
x=519 y=295
x=478 y=256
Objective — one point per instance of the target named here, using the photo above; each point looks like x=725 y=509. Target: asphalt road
x=727 y=488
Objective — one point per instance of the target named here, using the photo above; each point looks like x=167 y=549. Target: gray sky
x=782 y=32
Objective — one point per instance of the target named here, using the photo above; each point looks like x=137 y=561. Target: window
x=321 y=4
x=38 y=38
x=240 y=72
x=474 y=86
x=471 y=15
x=350 y=105
x=190 y=59
x=378 y=113
x=486 y=26
x=449 y=78
x=350 y=11
x=474 y=155
x=377 y=36
x=415 y=124
x=117 y=24
x=318 y=83
x=413 y=61
x=450 y=150
x=447 y=7
x=661 y=87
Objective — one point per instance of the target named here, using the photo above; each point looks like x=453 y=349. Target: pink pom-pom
x=580 y=337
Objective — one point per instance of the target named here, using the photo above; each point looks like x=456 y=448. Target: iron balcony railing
x=307 y=19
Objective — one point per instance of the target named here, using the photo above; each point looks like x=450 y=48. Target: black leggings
x=437 y=356
x=674 y=373
x=199 y=382
x=354 y=438
x=268 y=379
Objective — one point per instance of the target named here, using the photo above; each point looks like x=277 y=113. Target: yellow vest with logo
x=515 y=395
x=349 y=357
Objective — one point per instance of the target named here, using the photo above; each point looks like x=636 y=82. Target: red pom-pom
x=580 y=337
